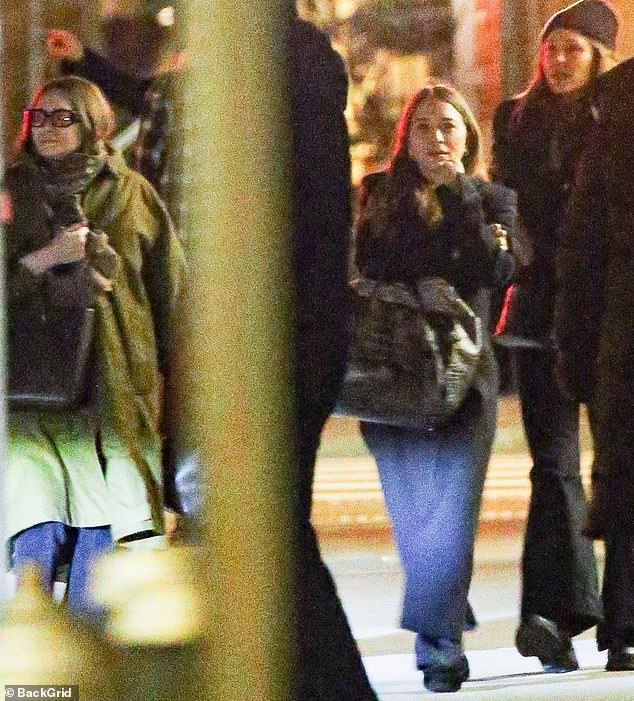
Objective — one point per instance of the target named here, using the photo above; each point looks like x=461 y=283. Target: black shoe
x=620 y=659
x=446 y=679
x=539 y=637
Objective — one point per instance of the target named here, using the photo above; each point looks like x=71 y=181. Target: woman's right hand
x=69 y=246
x=443 y=171
x=62 y=44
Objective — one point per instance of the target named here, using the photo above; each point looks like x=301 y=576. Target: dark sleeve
x=16 y=231
x=469 y=207
x=502 y=161
x=580 y=276
x=365 y=246
x=122 y=89
x=321 y=228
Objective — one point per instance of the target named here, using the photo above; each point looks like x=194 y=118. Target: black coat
x=535 y=152
x=321 y=231
x=595 y=304
x=462 y=249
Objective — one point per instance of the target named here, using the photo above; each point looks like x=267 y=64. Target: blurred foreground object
x=156 y=615
x=40 y=644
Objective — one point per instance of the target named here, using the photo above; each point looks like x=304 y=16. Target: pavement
x=369 y=580
x=347 y=493
x=350 y=518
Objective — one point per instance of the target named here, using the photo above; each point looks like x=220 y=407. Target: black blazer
x=462 y=249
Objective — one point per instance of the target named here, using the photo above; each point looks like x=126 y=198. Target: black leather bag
x=413 y=354
x=50 y=344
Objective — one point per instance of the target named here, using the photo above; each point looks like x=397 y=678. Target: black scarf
x=61 y=182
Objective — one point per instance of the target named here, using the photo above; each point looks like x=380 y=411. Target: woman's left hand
x=444 y=171
x=501 y=235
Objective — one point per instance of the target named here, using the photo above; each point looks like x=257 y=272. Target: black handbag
x=50 y=339
x=413 y=354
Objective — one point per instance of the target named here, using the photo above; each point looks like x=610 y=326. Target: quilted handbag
x=413 y=355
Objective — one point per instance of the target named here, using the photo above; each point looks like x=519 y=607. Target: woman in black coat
x=429 y=215
x=538 y=139
x=595 y=334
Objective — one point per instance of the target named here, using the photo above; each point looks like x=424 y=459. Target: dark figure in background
x=329 y=666
x=595 y=335
x=538 y=139
x=157 y=149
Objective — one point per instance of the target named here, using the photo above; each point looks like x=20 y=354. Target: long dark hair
x=85 y=98
x=406 y=187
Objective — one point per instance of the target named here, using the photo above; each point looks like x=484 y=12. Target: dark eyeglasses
x=58 y=118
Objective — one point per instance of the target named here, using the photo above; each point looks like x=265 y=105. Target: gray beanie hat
x=594 y=19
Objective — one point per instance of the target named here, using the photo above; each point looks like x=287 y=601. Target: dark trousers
x=328 y=662
x=618 y=593
x=433 y=487
x=559 y=578
x=51 y=544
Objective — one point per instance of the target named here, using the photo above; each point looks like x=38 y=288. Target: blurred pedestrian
x=329 y=666
x=83 y=226
x=431 y=214
x=595 y=334
x=539 y=136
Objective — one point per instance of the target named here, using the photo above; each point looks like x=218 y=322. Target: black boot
x=620 y=658
x=539 y=637
x=446 y=678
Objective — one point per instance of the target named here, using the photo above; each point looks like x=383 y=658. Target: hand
x=101 y=282
x=172 y=525
x=69 y=246
x=444 y=171
x=501 y=235
x=62 y=44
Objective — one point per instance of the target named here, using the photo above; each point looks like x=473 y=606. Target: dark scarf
x=553 y=130
x=61 y=182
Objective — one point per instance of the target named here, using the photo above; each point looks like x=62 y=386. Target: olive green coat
x=54 y=470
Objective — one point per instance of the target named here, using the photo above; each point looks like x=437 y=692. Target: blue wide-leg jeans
x=50 y=544
x=433 y=487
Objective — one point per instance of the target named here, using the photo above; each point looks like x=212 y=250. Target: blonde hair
x=96 y=116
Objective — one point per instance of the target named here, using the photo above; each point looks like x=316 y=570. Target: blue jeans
x=51 y=544
x=433 y=488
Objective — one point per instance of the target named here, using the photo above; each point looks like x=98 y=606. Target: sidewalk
x=348 y=497
x=369 y=580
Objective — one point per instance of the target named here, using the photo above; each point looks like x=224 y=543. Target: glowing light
x=165 y=16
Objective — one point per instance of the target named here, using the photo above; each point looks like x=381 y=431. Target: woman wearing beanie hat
x=539 y=136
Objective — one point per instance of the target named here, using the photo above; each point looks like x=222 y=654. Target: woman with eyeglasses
x=80 y=223
x=539 y=137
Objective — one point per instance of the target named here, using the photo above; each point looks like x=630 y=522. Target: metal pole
x=35 y=42
x=3 y=358
x=236 y=161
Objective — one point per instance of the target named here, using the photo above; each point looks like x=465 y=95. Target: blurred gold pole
x=3 y=346
x=236 y=165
